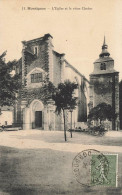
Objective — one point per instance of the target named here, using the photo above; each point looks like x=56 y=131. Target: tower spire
x=104 y=41
x=104 y=52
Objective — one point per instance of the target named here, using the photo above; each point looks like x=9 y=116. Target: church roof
x=104 y=52
x=68 y=64
x=105 y=59
x=104 y=55
x=72 y=67
x=58 y=54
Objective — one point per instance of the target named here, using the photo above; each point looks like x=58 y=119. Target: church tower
x=104 y=84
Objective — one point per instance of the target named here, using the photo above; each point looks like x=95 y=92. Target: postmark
x=93 y=168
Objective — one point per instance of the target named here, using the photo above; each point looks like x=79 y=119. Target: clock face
x=102 y=66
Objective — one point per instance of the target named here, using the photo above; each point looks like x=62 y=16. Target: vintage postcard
x=60 y=97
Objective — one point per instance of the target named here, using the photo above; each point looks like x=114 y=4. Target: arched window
x=36 y=77
x=102 y=66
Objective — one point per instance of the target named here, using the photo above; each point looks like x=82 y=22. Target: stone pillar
x=45 y=124
x=51 y=115
x=26 y=119
x=23 y=106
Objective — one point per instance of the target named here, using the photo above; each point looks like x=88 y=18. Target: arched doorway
x=37 y=114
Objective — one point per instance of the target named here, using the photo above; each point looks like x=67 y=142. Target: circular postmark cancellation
x=91 y=167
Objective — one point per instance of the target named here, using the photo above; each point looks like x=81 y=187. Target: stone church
x=40 y=61
x=104 y=84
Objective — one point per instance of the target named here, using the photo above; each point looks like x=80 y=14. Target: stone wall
x=56 y=69
x=42 y=60
x=105 y=88
x=101 y=89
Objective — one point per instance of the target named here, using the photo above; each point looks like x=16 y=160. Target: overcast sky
x=78 y=33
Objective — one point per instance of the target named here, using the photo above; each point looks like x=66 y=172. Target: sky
x=77 y=26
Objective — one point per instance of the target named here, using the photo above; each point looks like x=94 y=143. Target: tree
x=47 y=91
x=101 y=112
x=9 y=84
x=64 y=99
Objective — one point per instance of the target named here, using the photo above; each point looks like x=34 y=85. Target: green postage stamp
x=104 y=169
x=92 y=168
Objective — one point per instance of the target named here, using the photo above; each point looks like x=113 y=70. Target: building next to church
x=41 y=62
x=104 y=84
x=6 y=116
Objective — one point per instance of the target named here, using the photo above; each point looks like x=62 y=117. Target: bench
x=12 y=129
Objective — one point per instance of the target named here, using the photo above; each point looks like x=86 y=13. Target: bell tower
x=104 y=84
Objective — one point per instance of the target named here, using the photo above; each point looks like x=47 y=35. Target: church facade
x=104 y=85
x=41 y=62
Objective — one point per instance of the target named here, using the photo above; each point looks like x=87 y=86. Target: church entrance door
x=38 y=119
x=37 y=114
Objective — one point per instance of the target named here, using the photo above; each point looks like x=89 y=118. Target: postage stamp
x=92 y=168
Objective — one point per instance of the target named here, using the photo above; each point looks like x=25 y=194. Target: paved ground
x=40 y=162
